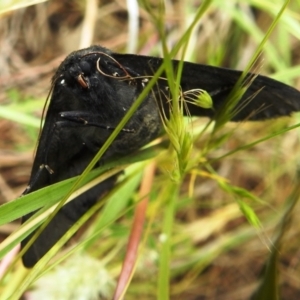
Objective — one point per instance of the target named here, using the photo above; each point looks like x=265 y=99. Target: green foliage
x=178 y=241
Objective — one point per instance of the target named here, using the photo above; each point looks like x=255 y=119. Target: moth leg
x=88 y=119
x=36 y=176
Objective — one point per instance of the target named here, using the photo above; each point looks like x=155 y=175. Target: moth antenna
x=111 y=76
x=114 y=60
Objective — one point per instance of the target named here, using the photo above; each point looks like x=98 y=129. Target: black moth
x=91 y=92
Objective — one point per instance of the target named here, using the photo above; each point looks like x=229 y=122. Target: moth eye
x=66 y=79
x=85 y=67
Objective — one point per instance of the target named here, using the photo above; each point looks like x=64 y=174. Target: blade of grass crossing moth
x=38 y=219
x=48 y=212
x=50 y=195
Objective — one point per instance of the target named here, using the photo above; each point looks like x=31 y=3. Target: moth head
x=76 y=75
